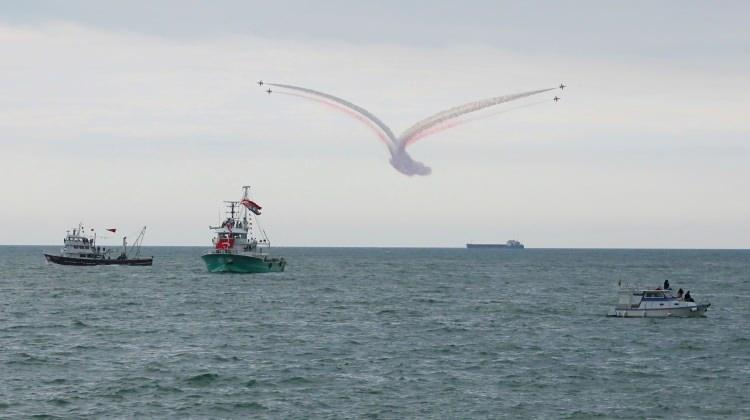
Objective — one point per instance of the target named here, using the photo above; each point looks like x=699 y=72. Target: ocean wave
x=202 y=379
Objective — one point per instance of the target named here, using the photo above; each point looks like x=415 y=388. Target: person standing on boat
x=666 y=285
x=679 y=294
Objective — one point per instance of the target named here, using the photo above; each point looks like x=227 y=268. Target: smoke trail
x=455 y=112
x=366 y=121
x=346 y=104
x=432 y=130
x=400 y=159
x=455 y=123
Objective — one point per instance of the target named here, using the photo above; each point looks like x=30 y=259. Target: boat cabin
x=239 y=232
x=233 y=236
x=77 y=245
x=646 y=299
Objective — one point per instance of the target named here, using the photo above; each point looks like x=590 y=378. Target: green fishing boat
x=240 y=245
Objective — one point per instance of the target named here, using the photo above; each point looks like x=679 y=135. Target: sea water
x=378 y=333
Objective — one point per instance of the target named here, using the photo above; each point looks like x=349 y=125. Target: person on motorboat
x=688 y=298
x=680 y=292
x=666 y=285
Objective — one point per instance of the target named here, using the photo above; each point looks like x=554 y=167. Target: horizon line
x=428 y=247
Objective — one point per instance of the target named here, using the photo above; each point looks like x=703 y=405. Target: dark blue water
x=380 y=333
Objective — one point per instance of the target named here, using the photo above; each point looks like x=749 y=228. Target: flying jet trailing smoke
x=400 y=159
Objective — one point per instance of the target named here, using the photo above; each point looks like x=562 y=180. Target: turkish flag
x=251 y=205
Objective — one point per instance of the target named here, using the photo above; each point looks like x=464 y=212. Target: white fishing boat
x=635 y=302
x=81 y=249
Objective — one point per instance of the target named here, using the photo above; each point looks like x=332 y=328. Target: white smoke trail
x=347 y=104
x=348 y=111
x=461 y=121
x=401 y=160
x=460 y=110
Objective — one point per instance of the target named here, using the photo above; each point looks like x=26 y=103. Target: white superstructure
x=239 y=232
x=78 y=245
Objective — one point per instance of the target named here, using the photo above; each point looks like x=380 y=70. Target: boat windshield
x=654 y=294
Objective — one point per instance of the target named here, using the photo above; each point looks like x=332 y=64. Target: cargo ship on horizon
x=511 y=244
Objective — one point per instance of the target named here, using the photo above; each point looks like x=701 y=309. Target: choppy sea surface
x=373 y=333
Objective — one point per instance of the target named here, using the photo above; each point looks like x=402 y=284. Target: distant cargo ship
x=508 y=245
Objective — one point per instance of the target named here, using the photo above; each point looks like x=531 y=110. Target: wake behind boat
x=239 y=242
x=80 y=249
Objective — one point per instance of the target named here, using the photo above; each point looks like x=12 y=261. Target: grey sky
x=643 y=28
x=647 y=149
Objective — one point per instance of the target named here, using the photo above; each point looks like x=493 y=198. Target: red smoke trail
x=458 y=111
x=431 y=131
x=450 y=124
x=346 y=111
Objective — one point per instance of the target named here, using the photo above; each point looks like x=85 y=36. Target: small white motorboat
x=636 y=302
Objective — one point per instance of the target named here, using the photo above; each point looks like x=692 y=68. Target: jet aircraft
x=555 y=99
x=269 y=91
x=260 y=83
x=562 y=86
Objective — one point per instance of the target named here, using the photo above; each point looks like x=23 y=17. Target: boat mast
x=231 y=211
x=124 y=247
x=138 y=241
x=245 y=196
x=261 y=233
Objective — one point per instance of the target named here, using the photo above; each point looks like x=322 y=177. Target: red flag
x=251 y=205
x=113 y=230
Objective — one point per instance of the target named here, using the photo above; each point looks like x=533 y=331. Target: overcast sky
x=123 y=114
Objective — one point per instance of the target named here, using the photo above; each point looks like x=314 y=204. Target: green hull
x=238 y=263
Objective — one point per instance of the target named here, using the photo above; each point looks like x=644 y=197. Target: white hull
x=683 y=312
